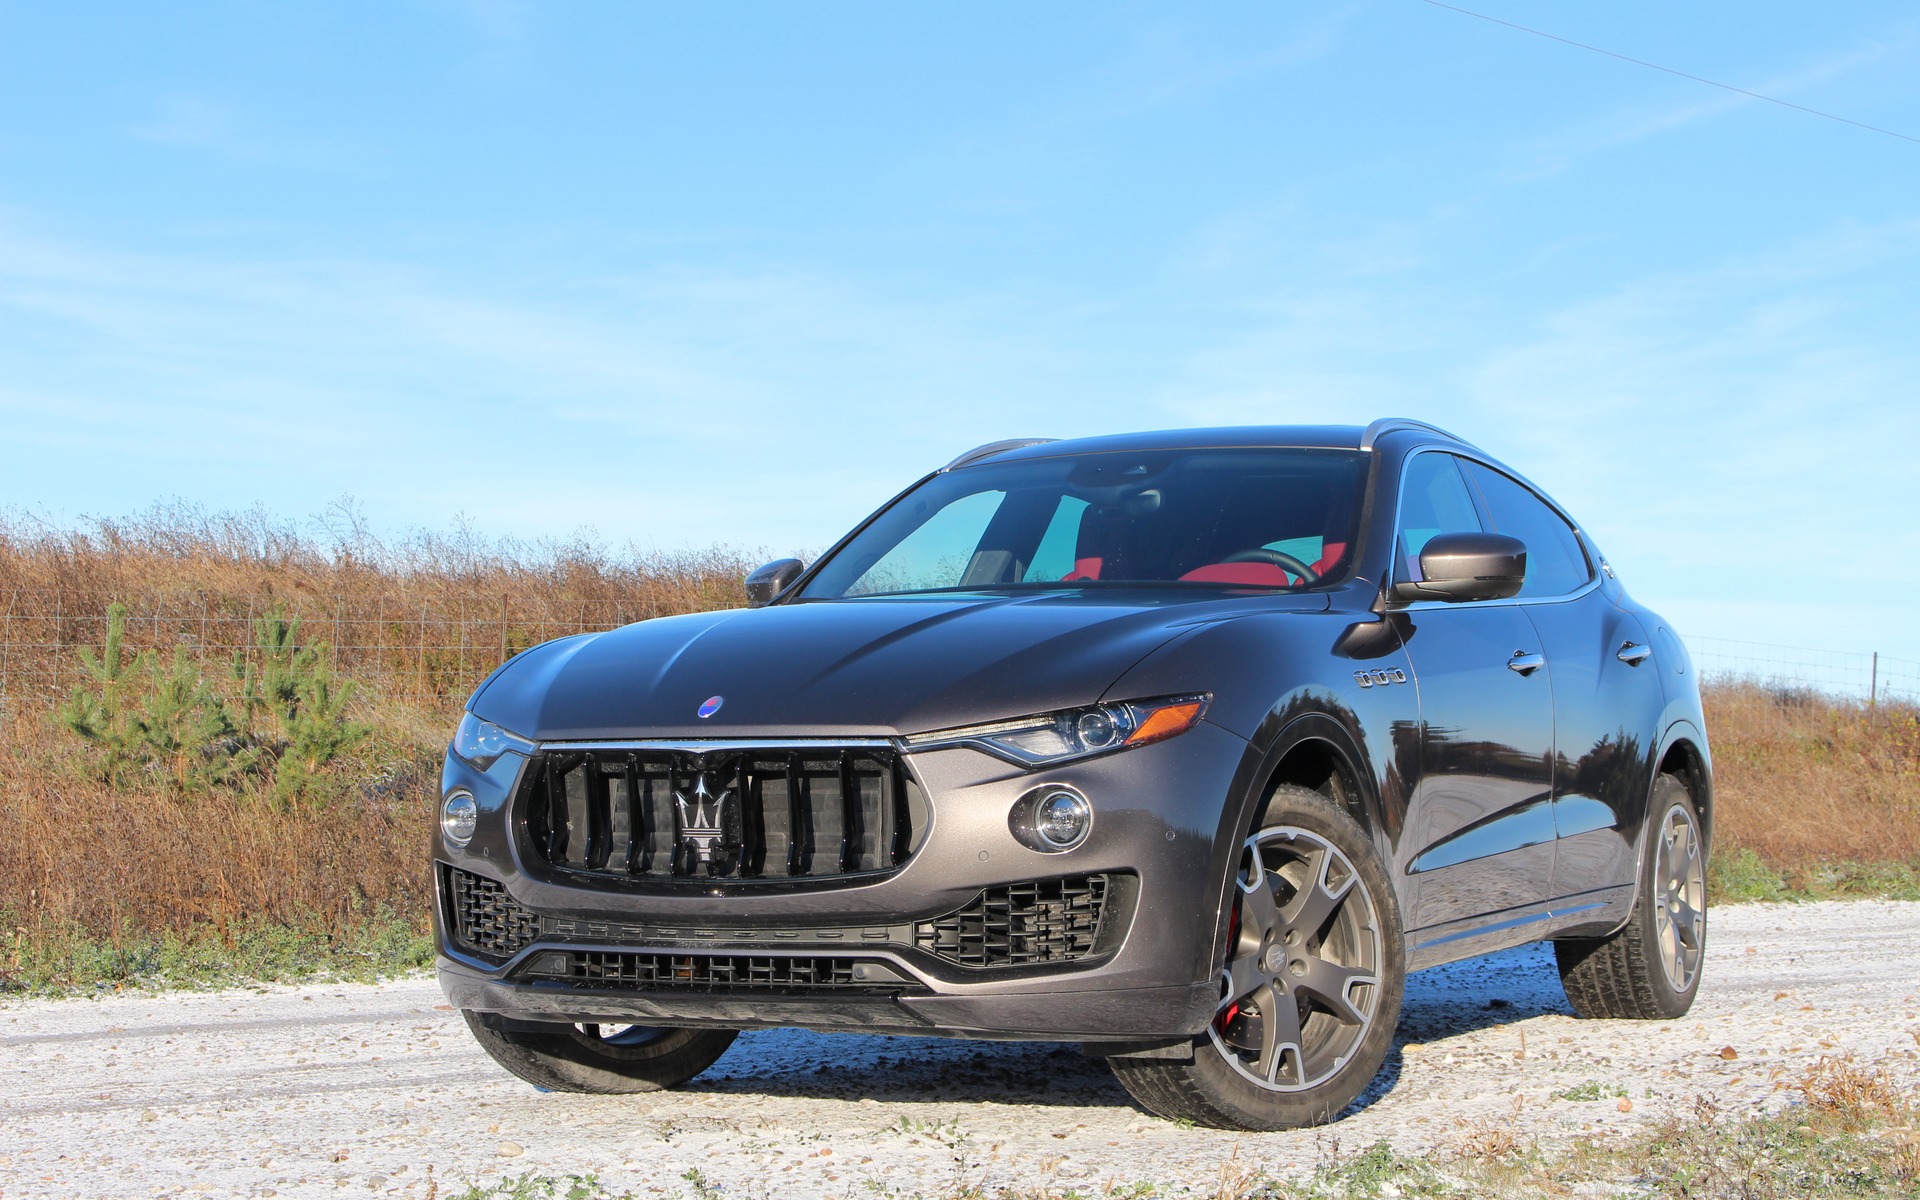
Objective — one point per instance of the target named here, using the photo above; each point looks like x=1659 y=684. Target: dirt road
x=354 y=1090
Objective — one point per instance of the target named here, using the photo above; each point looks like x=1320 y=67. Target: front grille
x=1045 y=921
x=484 y=918
x=656 y=971
x=661 y=815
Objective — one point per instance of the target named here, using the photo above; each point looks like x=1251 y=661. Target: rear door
x=1606 y=697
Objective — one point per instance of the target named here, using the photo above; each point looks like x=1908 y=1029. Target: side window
x=1556 y=563
x=1053 y=558
x=936 y=555
x=1433 y=500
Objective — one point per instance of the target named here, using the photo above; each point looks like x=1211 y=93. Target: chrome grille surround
x=745 y=811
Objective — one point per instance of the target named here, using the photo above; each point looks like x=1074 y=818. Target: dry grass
x=417 y=623
x=422 y=619
x=1802 y=779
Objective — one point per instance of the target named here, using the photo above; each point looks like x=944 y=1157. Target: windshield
x=1198 y=518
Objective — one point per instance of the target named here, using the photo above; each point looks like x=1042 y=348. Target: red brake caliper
x=1231 y=1011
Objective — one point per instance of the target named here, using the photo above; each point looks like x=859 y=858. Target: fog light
x=459 y=815
x=1061 y=819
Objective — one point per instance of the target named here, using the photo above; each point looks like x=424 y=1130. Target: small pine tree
x=183 y=725
x=318 y=731
x=293 y=709
x=273 y=685
x=290 y=719
x=98 y=715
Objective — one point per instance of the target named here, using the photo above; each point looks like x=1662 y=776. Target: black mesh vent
x=706 y=972
x=1046 y=921
x=485 y=918
x=805 y=813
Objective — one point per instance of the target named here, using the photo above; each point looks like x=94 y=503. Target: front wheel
x=1649 y=969
x=1310 y=990
x=608 y=1059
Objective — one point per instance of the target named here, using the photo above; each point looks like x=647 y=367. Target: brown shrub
x=1803 y=778
x=415 y=624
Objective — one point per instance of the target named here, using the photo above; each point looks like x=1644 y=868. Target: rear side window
x=1433 y=500
x=1556 y=563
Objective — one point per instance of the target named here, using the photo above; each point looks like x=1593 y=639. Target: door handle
x=1633 y=653
x=1526 y=663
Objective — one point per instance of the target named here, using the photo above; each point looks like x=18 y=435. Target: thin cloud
x=196 y=123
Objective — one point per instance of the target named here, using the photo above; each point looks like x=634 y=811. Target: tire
x=1316 y=928
x=606 y=1059
x=1649 y=969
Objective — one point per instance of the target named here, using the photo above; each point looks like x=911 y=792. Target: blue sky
x=693 y=274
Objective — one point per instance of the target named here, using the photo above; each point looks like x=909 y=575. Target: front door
x=1479 y=841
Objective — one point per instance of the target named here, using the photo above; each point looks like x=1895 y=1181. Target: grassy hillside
x=219 y=740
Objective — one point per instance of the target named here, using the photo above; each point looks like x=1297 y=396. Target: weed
x=1593 y=1089
x=67 y=959
x=1854 y=1098
x=703 y=1188
x=543 y=1187
x=1737 y=874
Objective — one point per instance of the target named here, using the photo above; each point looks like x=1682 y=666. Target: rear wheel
x=608 y=1059
x=1310 y=990
x=1649 y=969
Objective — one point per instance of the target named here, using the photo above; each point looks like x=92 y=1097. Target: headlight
x=1074 y=733
x=480 y=742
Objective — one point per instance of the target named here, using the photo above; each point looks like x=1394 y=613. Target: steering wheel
x=1278 y=558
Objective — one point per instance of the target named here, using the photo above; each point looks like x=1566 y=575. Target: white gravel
x=345 y=1090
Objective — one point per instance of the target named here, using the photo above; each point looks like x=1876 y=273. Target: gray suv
x=1186 y=746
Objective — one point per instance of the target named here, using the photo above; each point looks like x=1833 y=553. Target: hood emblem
x=702 y=819
x=711 y=707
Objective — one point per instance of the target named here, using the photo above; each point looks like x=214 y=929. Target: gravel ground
x=343 y=1090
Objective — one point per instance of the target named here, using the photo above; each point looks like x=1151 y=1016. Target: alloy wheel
x=1301 y=985
x=1680 y=913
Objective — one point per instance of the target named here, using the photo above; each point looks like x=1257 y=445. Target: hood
x=850 y=667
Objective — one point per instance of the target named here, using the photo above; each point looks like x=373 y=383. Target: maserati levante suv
x=1184 y=746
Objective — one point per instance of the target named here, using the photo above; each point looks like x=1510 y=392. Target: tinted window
x=1260 y=518
x=1433 y=500
x=1556 y=564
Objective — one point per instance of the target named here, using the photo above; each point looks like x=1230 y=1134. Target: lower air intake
x=707 y=972
x=484 y=918
x=1046 y=921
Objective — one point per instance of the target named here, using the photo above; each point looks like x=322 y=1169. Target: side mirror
x=766 y=583
x=1468 y=566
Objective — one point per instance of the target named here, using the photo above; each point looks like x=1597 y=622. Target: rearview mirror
x=1468 y=566
x=766 y=583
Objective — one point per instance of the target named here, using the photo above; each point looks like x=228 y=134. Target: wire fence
x=432 y=653
x=425 y=654
x=1869 y=678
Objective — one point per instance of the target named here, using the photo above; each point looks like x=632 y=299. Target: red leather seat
x=1258 y=574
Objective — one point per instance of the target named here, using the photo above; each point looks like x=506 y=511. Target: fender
x=1355 y=787
x=1699 y=780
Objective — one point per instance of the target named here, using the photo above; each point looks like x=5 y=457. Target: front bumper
x=1162 y=831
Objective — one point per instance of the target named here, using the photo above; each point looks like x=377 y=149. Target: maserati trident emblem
x=711 y=707
x=702 y=824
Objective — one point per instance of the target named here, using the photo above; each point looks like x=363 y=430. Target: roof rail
x=992 y=448
x=1386 y=425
